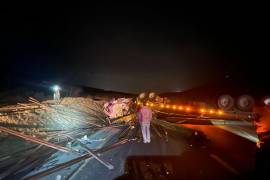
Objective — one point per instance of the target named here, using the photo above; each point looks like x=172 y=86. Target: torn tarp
x=117 y=107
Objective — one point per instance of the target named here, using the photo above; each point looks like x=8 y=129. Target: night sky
x=134 y=47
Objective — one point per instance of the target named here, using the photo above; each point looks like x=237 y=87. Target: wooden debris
x=49 y=124
x=35 y=140
x=74 y=161
x=106 y=164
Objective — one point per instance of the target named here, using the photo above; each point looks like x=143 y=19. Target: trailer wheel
x=142 y=95
x=225 y=102
x=152 y=95
x=245 y=103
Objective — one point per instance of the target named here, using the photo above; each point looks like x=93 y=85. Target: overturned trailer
x=173 y=111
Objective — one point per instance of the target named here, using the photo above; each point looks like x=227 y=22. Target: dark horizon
x=134 y=47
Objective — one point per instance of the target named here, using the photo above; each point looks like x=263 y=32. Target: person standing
x=262 y=124
x=145 y=117
x=56 y=94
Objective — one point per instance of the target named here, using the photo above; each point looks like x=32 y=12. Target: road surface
x=211 y=153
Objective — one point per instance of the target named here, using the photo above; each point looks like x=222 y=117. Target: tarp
x=117 y=107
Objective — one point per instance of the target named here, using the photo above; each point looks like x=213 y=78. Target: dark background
x=132 y=47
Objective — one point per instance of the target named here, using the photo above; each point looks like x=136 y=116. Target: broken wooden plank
x=35 y=140
x=74 y=161
x=106 y=164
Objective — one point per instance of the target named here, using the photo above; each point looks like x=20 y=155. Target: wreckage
x=82 y=128
x=34 y=133
x=48 y=127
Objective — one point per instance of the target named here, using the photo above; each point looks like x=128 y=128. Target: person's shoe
x=144 y=141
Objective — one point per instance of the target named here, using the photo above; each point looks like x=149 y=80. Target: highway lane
x=209 y=152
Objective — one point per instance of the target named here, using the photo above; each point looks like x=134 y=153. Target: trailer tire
x=142 y=96
x=152 y=95
x=245 y=103
x=225 y=102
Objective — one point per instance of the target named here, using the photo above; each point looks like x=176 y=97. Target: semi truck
x=184 y=109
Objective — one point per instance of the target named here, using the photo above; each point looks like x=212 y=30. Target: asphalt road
x=209 y=153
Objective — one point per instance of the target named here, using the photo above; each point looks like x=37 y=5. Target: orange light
x=167 y=106
x=174 y=107
x=187 y=108
x=138 y=103
x=180 y=107
x=202 y=110
x=220 y=112
x=162 y=105
x=151 y=104
x=211 y=111
x=147 y=104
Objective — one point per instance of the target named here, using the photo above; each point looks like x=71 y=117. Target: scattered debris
x=50 y=128
x=63 y=126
